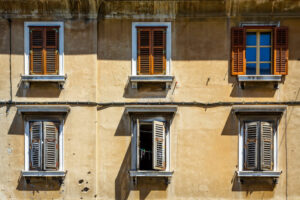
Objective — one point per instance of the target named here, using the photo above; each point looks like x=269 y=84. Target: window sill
x=43 y=173
x=59 y=79
x=158 y=174
x=151 y=78
x=242 y=79
x=270 y=174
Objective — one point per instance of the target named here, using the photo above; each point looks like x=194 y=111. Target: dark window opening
x=145 y=150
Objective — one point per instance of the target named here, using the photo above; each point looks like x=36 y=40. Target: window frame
x=134 y=139
x=135 y=25
x=27 y=141
x=241 y=128
x=27 y=46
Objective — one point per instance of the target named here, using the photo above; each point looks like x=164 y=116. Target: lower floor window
x=44 y=145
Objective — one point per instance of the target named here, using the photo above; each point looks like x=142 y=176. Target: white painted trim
x=26 y=146
x=241 y=137
x=61 y=146
x=134 y=44
x=27 y=46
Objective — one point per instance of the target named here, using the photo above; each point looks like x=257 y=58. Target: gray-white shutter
x=50 y=146
x=35 y=145
x=266 y=146
x=159 y=146
x=251 y=145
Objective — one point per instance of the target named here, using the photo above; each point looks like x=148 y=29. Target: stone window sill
x=270 y=174
x=160 y=174
x=242 y=79
x=151 y=78
x=43 y=173
x=59 y=79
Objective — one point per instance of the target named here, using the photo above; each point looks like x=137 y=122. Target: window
x=151 y=48
x=259 y=50
x=43 y=46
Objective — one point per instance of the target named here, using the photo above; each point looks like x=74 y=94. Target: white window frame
x=134 y=45
x=134 y=141
x=27 y=44
x=27 y=141
x=242 y=140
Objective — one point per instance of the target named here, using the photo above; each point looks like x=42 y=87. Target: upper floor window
x=259 y=50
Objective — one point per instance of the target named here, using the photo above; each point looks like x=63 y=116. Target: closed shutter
x=251 y=144
x=144 y=51
x=43 y=50
x=281 y=52
x=35 y=145
x=159 y=146
x=158 y=51
x=50 y=146
x=266 y=146
x=238 y=45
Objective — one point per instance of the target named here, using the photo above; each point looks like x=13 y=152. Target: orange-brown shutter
x=51 y=47
x=144 y=51
x=36 y=51
x=159 y=50
x=281 y=51
x=238 y=45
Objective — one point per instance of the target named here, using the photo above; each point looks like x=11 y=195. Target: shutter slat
x=159 y=154
x=251 y=144
x=36 y=47
x=50 y=146
x=238 y=46
x=158 y=50
x=144 y=61
x=35 y=145
x=281 y=51
x=266 y=146
x=52 y=51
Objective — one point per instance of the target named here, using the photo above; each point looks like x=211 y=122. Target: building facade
x=149 y=99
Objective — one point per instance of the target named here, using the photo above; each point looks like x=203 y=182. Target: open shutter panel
x=36 y=51
x=35 y=145
x=266 y=146
x=138 y=143
x=50 y=146
x=52 y=50
x=281 y=51
x=144 y=51
x=251 y=137
x=159 y=145
x=238 y=45
x=159 y=50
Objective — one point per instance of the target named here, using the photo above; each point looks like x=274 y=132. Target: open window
x=259 y=53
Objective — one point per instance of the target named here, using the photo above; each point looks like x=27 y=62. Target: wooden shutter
x=50 y=146
x=238 y=46
x=144 y=51
x=251 y=144
x=159 y=146
x=51 y=46
x=36 y=51
x=266 y=146
x=159 y=50
x=281 y=52
x=35 y=145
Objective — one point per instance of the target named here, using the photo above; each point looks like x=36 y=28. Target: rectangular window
x=259 y=52
x=151 y=50
x=258 y=145
x=44 y=54
x=44 y=145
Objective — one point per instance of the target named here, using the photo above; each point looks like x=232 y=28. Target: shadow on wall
x=49 y=90
x=257 y=89
x=231 y=125
x=39 y=184
x=17 y=126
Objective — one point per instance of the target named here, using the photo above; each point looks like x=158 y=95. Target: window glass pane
x=250 y=54
x=265 y=38
x=265 y=68
x=251 y=38
x=265 y=54
x=250 y=68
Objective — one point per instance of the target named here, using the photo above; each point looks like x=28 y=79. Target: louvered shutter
x=144 y=51
x=35 y=145
x=281 y=51
x=266 y=146
x=238 y=45
x=159 y=50
x=50 y=146
x=36 y=51
x=251 y=144
x=51 y=47
x=159 y=146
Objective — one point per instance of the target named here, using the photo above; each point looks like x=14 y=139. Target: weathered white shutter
x=138 y=144
x=35 y=145
x=266 y=146
x=159 y=146
x=50 y=146
x=251 y=144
